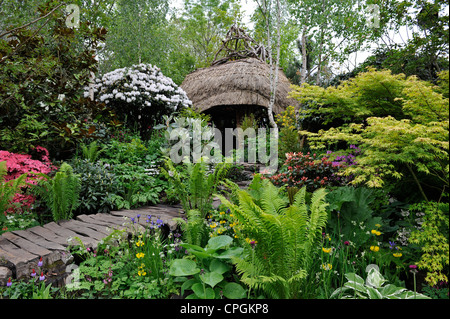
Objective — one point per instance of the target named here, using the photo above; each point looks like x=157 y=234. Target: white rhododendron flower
x=140 y=93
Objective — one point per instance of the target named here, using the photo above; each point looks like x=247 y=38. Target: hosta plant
x=208 y=275
x=373 y=288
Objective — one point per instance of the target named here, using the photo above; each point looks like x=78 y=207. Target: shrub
x=307 y=170
x=44 y=69
x=98 y=185
x=19 y=164
x=134 y=186
x=8 y=189
x=434 y=240
x=140 y=95
x=400 y=123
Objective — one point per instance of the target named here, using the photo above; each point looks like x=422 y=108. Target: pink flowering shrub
x=18 y=164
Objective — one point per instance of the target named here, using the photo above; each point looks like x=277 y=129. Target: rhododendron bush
x=18 y=164
x=139 y=95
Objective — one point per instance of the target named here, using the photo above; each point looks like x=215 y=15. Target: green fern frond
x=286 y=232
x=61 y=193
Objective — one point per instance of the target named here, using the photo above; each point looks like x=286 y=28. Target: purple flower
x=40 y=262
x=33 y=273
x=42 y=277
x=9 y=283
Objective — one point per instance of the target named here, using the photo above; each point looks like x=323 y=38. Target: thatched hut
x=231 y=90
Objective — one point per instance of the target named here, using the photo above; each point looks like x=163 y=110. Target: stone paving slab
x=20 y=250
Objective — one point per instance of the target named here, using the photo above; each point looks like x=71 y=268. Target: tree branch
x=32 y=22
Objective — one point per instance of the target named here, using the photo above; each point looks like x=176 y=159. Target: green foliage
x=210 y=271
x=280 y=238
x=350 y=214
x=98 y=185
x=8 y=189
x=114 y=270
x=44 y=69
x=373 y=288
x=369 y=94
x=194 y=228
x=196 y=187
x=135 y=186
x=433 y=239
x=60 y=193
x=91 y=152
x=400 y=124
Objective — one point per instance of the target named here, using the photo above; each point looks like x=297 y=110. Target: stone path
x=20 y=250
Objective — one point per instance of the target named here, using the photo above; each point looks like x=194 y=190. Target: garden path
x=20 y=250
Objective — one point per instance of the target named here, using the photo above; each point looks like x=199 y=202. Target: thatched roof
x=240 y=82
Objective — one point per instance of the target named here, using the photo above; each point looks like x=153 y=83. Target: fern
x=8 y=189
x=194 y=228
x=91 y=152
x=195 y=190
x=286 y=235
x=61 y=193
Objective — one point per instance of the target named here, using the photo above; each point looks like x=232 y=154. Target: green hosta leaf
x=203 y=293
x=374 y=293
x=375 y=279
x=391 y=291
x=219 y=266
x=211 y=278
x=230 y=253
x=219 y=242
x=233 y=290
x=410 y=295
x=188 y=284
x=352 y=277
x=183 y=267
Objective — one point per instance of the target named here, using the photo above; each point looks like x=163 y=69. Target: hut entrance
x=233 y=116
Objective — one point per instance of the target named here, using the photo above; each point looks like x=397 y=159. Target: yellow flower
x=326 y=250
x=375 y=232
x=222 y=222
x=378 y=225
x=140 y=243
x=397 y=254
x=140 y=255
x=327 y=266
x=374 y=248
x=222 y=213
x=213 y=225
x=141 y=273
